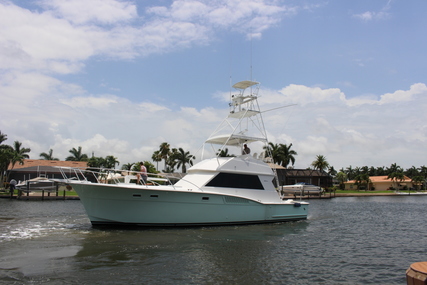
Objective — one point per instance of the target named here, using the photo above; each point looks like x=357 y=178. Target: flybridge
x=244 y=115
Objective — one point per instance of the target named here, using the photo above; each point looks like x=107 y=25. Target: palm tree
x=19 y=153
x=77 y=155
x=358 y=181
x=273 y=151
x=372 y=171
x=396 y=176
x=127 y=166
x=111 y=161
x=412 y=172
x=157 y=157
x=364 y=177
x=320 y=163
x=48 y=156
x=364 y=169
x=380 y=171
x=287 y=155
x=350 y=172
x=6 y=155
x=394 y=168
x=417 y=180
x=164 y=151
x=3 y=137
x=96 y=162
x=341 y=177
x=224 y=153
x=332 y=171
x=423 y=171
x=170 y=164
x=182 y=158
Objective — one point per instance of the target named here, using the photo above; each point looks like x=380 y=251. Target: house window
x=231 y=180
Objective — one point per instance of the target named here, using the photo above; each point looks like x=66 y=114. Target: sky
x=120 y=77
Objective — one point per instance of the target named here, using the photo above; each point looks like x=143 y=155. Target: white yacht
x=301 y=188
x=215 y=191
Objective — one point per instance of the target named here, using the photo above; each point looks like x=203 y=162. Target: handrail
x=115 y=176
x=106 y=175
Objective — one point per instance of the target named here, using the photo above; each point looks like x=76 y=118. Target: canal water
x=365 y=240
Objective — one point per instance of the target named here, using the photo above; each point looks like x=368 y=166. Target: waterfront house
x=381 y=183
x=310 y=176
x=32 y=168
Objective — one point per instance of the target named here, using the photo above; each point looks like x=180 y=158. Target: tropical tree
x=150 y=167
x=364 y=179
x=157 y=157
x=48 y=156
x=364 y=170
x=287 y=155
x=96 y=162
x=273 y=151
x=396 y=177
x=77 y=155
x=280 y=153
x=100 y=162
x=372 y=171
x=350 y=172
x=19 y=153
x=332 y=171
x=111 y=161
x=127 y=166
x=320 y=163
x=170 y=162
x=380 y=171
x=341 y=177
x=423 y=171
x=6 y=155
x=358 y=181
x=412 y=172
x=224 y=153
x=164 y=151
x=418 y=181
x=394 y=168
x=182 y=158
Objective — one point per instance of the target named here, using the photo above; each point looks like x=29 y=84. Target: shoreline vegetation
x=175 y=159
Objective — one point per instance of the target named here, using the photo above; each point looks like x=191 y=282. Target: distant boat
x=215 y=191
x=301 y=189
x=37 y=184
x=410 y=193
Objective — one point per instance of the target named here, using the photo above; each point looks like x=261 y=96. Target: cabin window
x=231 y=180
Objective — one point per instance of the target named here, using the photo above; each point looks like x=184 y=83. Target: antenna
x=251 y=55
x=231 y=67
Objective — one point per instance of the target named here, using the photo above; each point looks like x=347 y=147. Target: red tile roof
x=42 y=162
x=379 y=179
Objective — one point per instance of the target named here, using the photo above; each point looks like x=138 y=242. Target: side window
x=231 y=180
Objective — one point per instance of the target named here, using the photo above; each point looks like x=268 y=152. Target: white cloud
x=372 y=15
x=82 y=11
x=151 y=107
x=59 y=37
x=303 y=95
x=323 y=122
x=90 y=102
x=401 y=95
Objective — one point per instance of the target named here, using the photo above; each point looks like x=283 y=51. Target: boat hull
x=116 y=205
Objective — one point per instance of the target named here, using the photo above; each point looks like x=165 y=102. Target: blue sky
x=121 y=77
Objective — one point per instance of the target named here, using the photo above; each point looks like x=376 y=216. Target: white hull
x=215 y=191
x=140 y=205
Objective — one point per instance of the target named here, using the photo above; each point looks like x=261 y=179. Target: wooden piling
x=416 y=274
